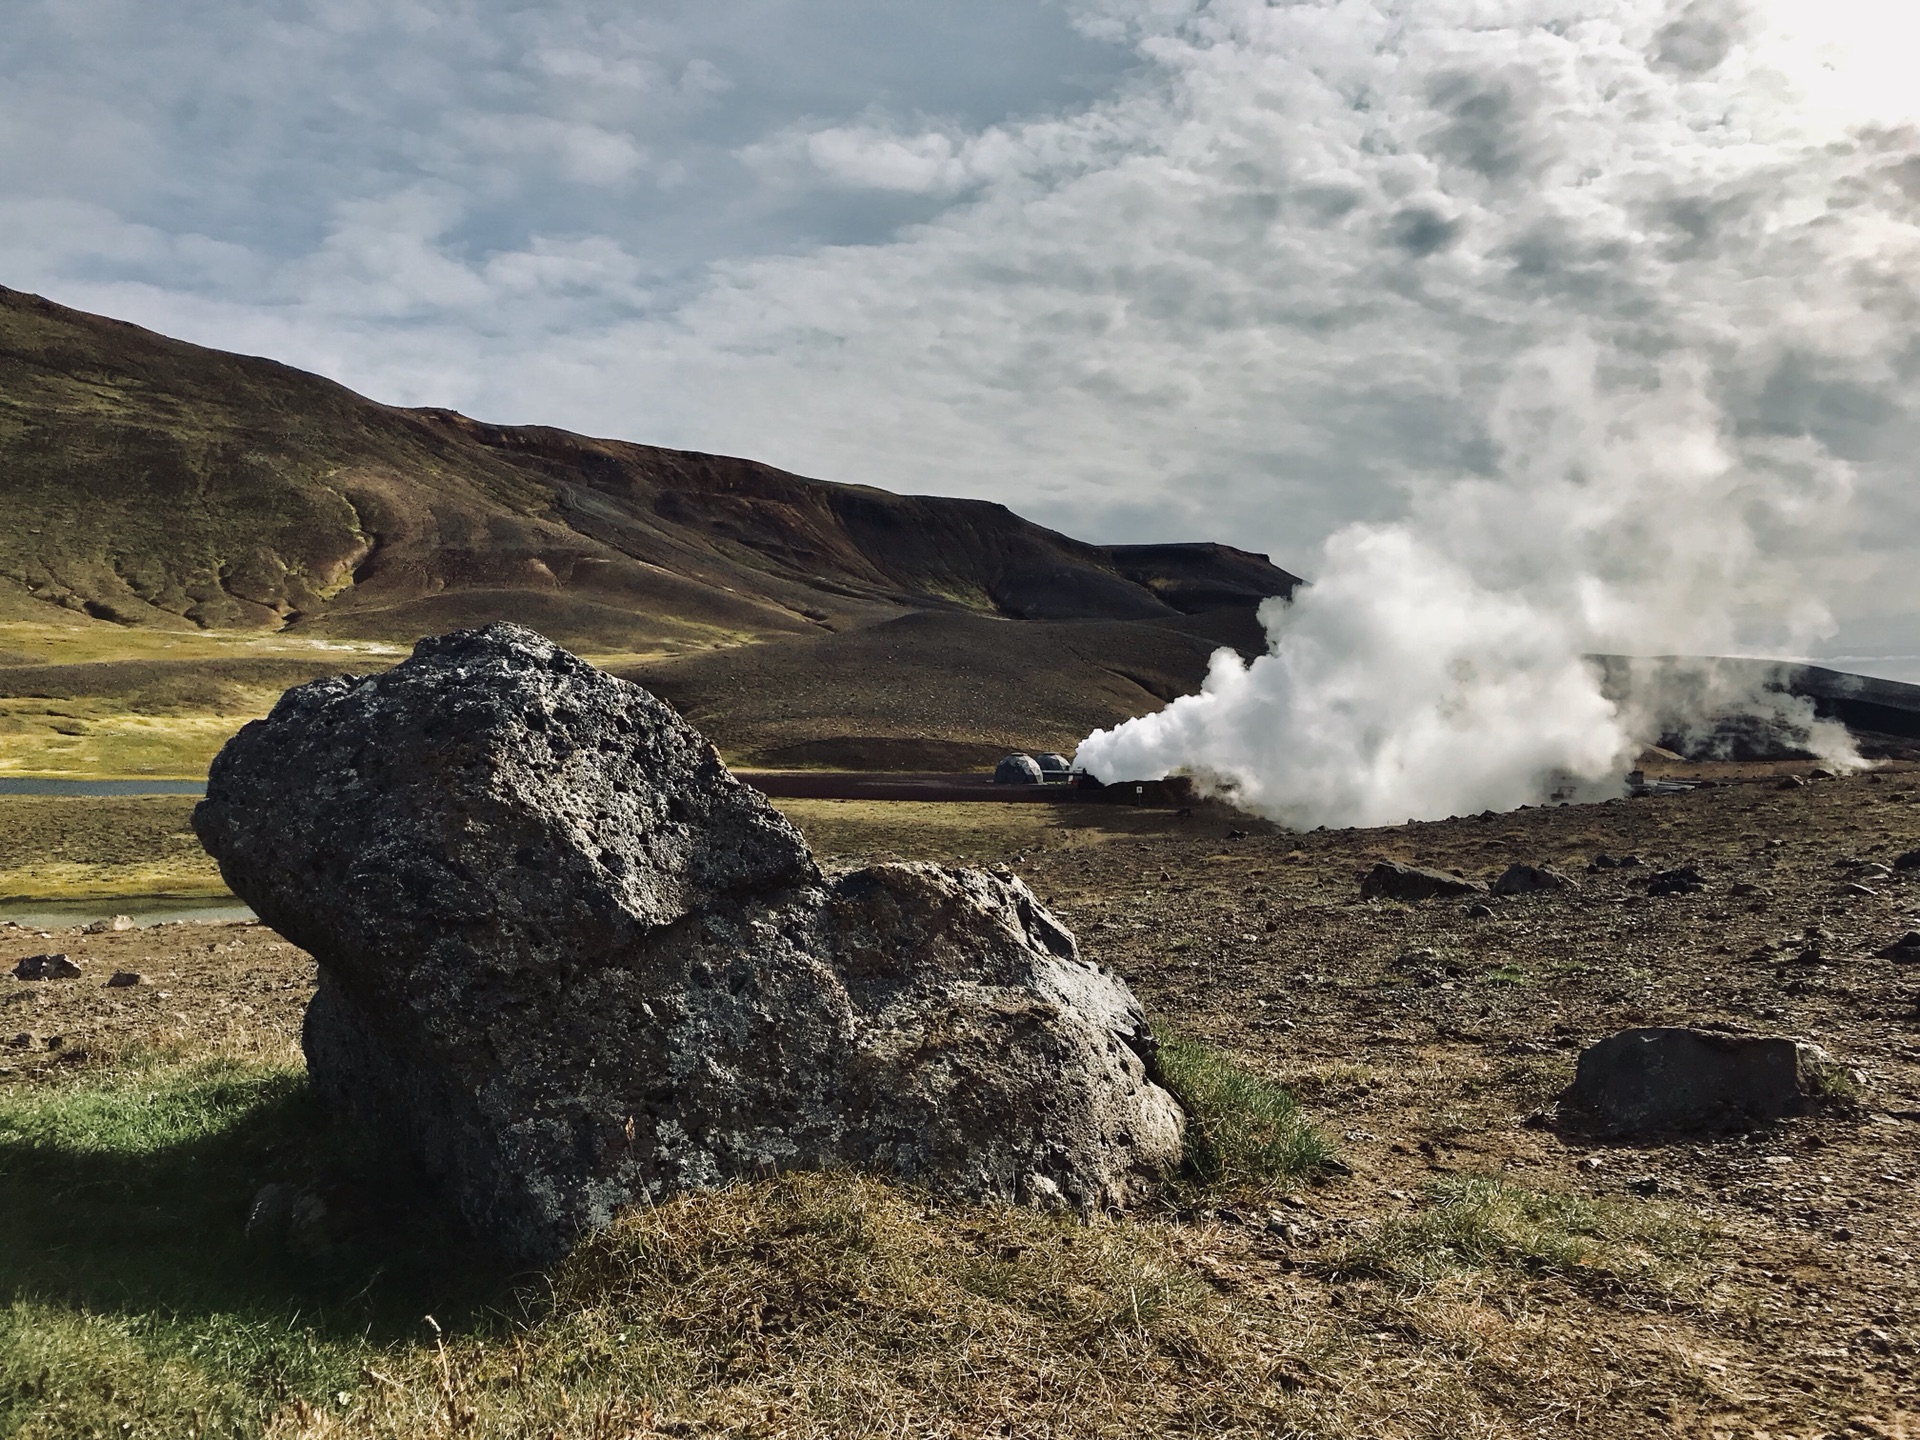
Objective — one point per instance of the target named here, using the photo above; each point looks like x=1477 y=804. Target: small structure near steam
x=571 y=963
x=1018 y=769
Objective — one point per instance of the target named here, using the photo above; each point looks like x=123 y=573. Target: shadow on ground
x=132 y=1197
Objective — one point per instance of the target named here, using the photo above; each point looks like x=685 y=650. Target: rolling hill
x=214 y=526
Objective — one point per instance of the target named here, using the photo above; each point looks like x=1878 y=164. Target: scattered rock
x=111 y=925
x=1530 y=879
x=1604 y=861
x=1907 y=948
x=125 y=979
x=572 y=964
x=1018 y=770
x=1907 y=860
x=270 y=1211
x=25 y=1040
x=1789 y=782
x=1645 y=1185
x=1684 y=881
x=47 y=967
x=1390 y=880
x=1818 y=774
x=1479 y=910
x=1652 y=1080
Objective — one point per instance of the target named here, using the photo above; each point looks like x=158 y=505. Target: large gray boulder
x=571 y=963
x=1655 y=1080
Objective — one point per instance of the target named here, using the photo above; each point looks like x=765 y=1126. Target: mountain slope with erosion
x=232 y=524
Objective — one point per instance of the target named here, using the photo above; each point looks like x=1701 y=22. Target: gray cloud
x=1137 y=267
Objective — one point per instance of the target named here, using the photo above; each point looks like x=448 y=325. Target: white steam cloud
x=1657 y=479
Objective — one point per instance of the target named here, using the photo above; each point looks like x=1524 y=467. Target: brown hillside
x=164 y=488
x=150 y=482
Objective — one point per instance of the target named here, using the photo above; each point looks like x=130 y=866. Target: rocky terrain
x=1430 y=1045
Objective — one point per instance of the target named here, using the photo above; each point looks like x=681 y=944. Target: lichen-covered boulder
x=572 y=963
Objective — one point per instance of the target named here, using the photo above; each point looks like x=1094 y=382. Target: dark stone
x=1390 y=880
x=1907 y=947
x=1684 y=881
x=1604 y=861
x=1908 y=860
x=125 y=979
x=47 y=967
x=1531 y=879
x=570 y=963
x=1649 y=1081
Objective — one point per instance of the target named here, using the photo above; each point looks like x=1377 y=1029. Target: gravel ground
x=1428 y=1042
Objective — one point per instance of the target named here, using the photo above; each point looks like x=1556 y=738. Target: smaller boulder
x=113 y=924
x=47 y=967
x=1018 y=770
x=1907 y=948
x=1390 y=880
x=1909 y=860
x=1531 y=879
x=125 y=979
x=1683 y=881
x=1648 y=1081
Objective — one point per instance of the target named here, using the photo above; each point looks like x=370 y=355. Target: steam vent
x=571 y=963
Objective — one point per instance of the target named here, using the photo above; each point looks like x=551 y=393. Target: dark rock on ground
x=1907 y=947
x=1644 y=1082
x=125 y=979
x=1390 y=880
x=1604 y=861
x=1907 y=860
x=1683 y=881
x=571 y=963
x=1530 y=879
x=47 y=967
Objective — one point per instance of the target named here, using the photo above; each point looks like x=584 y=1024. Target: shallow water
x=18 y=785
x=145 y=910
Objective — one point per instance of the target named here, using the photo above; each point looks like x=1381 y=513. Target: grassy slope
x=163 y=502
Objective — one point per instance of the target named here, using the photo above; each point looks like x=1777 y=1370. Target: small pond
x=20 y=785
x=145 y=910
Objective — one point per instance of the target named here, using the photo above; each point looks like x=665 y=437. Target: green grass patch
x=1474 y=1224
x=131 y=1298
x=131 y=1302
x=1242 y=1129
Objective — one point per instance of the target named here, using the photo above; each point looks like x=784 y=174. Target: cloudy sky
x=1143 y=269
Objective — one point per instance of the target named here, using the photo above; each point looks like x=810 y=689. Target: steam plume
x=1438 y=665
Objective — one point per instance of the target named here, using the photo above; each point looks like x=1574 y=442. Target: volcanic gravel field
x=1427 y=1042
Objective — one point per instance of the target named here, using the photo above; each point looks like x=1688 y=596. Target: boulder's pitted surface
x=1651 y=1080
x=573 y=963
